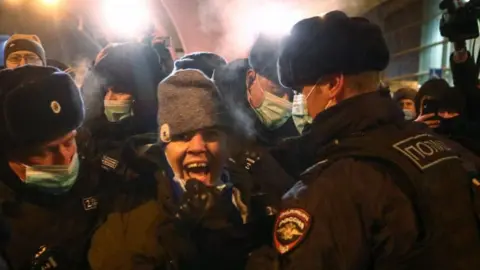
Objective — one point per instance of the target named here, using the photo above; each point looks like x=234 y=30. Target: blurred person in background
x=194 y=217
x=443 y=109
x=21 y=49
x=57 y=64
x=121 y=95
x=48 y=197
x=405 y=98
x=163 y=47
x=371 y=192
x=465 y=80
x=61 y=66
x=206 y=62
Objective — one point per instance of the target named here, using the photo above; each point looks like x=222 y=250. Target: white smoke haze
x=240 y=21
x=91 y=87
x=80 y=69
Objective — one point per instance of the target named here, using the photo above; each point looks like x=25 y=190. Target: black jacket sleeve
x=465 y=78
x=357 y=212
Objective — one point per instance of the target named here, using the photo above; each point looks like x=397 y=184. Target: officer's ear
x=334 y=84
x=250 y=78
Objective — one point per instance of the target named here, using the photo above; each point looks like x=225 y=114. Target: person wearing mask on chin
x=121 y=92
x=405 y=98
x=379 y=191
x=48 y=199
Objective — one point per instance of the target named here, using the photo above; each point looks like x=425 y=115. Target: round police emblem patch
x=165 y=133
x=55 y=106
x=291 y=227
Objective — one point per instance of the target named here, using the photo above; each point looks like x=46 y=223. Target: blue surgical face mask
x=54 y=179
x=409 y=115
x=300 y=115
x=117 y=110
x=274 y=111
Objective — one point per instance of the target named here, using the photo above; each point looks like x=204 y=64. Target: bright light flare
x=274 y=18
x=50 y=2
x=126 y=18
x=14 y=2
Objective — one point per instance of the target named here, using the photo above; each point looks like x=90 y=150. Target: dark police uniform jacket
x=62 y=224
x=379 y=194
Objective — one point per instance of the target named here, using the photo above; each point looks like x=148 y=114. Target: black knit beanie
x=21 y=42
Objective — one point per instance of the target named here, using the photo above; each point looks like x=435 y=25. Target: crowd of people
x=294 y=158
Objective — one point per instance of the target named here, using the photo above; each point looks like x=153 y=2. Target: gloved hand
x=209 y=207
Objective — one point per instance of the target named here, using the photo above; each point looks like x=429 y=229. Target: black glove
x=457 y=126
x=209 y=207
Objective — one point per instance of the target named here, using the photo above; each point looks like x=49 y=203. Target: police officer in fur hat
x=122 y=94
x=47 y=197
x=379 y=192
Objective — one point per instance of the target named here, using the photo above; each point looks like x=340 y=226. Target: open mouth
x=197 y=170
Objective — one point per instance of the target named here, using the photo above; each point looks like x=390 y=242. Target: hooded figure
x=450 y=117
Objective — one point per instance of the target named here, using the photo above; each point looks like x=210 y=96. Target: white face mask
x=274 y=111
x=300 y=112
x=55 y=179
x=409 y=115
x=117 y=110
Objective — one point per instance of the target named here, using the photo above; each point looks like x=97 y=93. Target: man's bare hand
x=430 y=123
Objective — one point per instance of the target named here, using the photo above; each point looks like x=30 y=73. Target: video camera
x=459 y=20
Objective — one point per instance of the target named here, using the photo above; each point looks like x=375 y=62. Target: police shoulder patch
x=291 y=227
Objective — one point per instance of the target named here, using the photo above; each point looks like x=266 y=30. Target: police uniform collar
x=354 y=115
x=357 y=114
